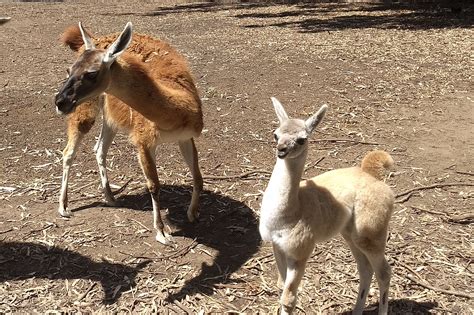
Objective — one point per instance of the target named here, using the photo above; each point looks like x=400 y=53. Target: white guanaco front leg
x=280 y=260
x=294 y=273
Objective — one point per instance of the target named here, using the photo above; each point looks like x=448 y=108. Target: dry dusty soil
x=398 y=79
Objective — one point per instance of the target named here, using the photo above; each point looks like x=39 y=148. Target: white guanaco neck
x=281 y=194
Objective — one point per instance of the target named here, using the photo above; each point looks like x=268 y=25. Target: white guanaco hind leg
x=189 y=152
x=365 y=276
x=382 y=273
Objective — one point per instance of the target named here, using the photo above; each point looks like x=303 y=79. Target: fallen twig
x=406 y=198
x=115 y=192
x=174 y=309
x=242 y=311
x=462 y=218
x=122 y=188
x=137 y=257
x=243 y=175
x=314 y=164
x=431 y=211
x=181 y=252
x=425 y=284
x=98 y=196
x=422 y=282
x=141 y=224
x=465 y=173
x=83 y=295
x=6 y=231
x=82 y=187
x=182 y=307
x=344 y=140
x=432 y=187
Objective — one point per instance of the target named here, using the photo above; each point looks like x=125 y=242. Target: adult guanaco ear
x=313 y=121
x=279 y=110
x=120 y=44
x=86 y=38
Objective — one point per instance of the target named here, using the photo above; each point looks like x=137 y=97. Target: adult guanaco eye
x=275 y=136
x=91 y=75
x=301 y=141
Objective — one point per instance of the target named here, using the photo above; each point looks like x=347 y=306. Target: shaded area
x=315 y=16
x=40 y=1
x=401 y=306
x=197 y=7
x=225 y=224
x=26 y=260
x=212 y=6
x=318 y=18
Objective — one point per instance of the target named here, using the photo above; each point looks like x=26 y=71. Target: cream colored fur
x=296 y=214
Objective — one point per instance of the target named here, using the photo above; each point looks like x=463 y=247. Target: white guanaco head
x=292 y=134
x=90 y=76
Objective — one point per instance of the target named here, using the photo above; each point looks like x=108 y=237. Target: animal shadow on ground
x=25 y=260
x=225 y=224
x=402 y=306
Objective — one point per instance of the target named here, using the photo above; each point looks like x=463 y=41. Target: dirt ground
x=394 y=78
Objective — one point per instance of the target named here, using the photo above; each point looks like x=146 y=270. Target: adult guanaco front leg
x=69 y=154
x=79 y=124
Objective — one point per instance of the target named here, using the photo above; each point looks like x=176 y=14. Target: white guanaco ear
x=86 y=38
x=120 y=44
x=279 y=110
x=313 y=121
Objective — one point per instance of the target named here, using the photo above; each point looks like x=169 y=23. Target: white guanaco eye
x=301 y=141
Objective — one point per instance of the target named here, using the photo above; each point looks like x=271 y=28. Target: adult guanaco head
x=90 y=75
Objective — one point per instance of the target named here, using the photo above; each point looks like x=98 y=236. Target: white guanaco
x=297 y=214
